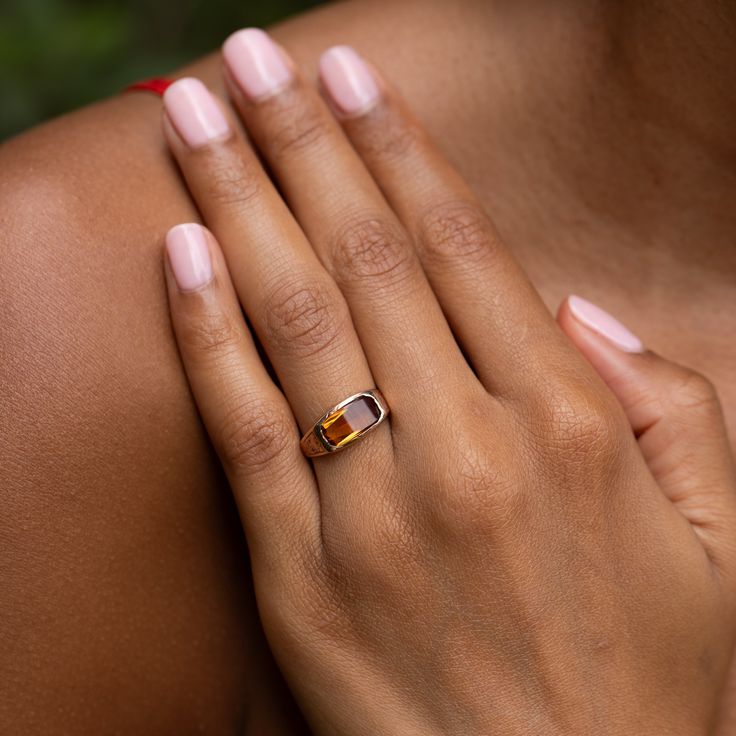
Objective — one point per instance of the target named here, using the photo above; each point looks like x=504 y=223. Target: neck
x=628 y=140
x=678 y=60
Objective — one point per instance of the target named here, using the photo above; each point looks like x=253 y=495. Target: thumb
x=674 y=413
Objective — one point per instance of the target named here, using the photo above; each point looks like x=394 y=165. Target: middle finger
x=406 y=338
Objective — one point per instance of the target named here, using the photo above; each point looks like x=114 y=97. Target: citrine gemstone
x=344 y=424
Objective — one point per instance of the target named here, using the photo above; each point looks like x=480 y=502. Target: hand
x=503 y=555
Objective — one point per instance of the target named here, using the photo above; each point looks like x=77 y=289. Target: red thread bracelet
x=156 y=85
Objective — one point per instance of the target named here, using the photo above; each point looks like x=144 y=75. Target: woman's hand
x=503 y=555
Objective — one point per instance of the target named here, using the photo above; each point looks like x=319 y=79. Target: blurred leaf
x=56 y=55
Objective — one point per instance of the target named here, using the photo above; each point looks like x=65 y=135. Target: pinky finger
x=248 y=419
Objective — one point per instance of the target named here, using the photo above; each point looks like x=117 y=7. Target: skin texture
x=123 y=567
x=540 y=568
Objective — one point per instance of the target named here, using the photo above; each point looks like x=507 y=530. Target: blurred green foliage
x=56 y=55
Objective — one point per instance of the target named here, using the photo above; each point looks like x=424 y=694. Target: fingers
x=674 y=412
x=246 y=416
x=495 y=313
x=357 y=236
x=292 y=303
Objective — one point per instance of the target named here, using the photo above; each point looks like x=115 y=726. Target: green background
x=56 y=55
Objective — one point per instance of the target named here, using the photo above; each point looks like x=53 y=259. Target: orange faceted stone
x=343 y=425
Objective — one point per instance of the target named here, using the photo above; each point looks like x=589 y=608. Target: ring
x=345 y=423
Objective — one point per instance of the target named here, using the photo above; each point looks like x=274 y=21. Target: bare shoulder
x=124 y=576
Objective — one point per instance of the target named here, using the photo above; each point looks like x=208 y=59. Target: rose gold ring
x=345 y=423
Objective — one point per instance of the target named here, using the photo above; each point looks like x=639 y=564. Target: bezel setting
x=379 y=408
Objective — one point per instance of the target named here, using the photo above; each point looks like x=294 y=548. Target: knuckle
x=476 y=486
x=306 y=317
x=457 y=230
x=253 y=435
x=294 y=126
x=212 y=333
x=387 y=136
x=370 y=247
x=583 y=425
x=695 y=394
x=477 y=495
x=232 y=182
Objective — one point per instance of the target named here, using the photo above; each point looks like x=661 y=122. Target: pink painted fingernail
x=194 y=112
x=256 y=63
x=189 y=256
x=604 y=324
x=348 y=80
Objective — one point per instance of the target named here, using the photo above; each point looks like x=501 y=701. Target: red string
x=157 y=86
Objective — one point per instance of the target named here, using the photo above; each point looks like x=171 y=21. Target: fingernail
x=348 y=80
x=604 y=324
x=194 y=112
x=256 y=63
x=189 y=256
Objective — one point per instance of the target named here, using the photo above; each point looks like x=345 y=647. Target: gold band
x=345 y=423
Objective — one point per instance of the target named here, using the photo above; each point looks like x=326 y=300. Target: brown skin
x=123 y=567
x=502 y=555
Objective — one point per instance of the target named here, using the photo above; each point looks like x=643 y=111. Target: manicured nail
x=348 y=80
x=189 y=256
x=604 y=324
x=194 y=112
x=256 y=63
